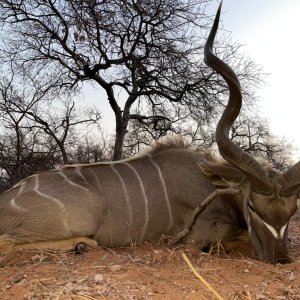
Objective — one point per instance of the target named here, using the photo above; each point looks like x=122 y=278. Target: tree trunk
x=63 y=152
x=121 y=130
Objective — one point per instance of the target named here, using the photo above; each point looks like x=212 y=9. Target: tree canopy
x=146 y=52
x=148 y=58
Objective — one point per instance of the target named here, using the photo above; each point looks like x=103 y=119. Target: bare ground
x=151 y=271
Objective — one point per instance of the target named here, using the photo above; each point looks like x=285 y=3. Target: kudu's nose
x=283 y=259
x=273 y=259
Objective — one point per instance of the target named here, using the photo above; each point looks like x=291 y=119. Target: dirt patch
x=150 y=272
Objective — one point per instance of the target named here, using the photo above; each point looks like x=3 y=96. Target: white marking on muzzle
x=277 y=234
x=249 y=224
x=282 y=230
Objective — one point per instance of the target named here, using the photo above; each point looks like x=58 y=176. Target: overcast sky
x=270 y=33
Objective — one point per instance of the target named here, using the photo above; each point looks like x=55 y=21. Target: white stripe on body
x=144 y=196
x=129 y=207
x=107 y=206
x=36 y=189
x=167 y=199
x=16 y=206
x=53 y=199
x=78 y=171
x=13 y=201
x=71 y=182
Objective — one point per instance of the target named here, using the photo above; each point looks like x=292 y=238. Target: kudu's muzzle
x=269 y=248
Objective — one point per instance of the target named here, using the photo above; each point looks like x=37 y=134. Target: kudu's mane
x=167 y=143
x=181 y=143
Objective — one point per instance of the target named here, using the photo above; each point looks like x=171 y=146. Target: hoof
x=80 y=248
x=206 y=248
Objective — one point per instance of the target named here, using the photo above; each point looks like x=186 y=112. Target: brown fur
x=170 y=142
x=179 y=142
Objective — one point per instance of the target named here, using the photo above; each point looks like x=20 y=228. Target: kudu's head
x=269 y=197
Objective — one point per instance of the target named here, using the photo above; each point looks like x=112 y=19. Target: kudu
x=130 y=201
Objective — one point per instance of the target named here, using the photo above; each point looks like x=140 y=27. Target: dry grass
x=148 y=272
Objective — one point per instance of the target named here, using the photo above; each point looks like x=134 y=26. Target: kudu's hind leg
x=78 y=244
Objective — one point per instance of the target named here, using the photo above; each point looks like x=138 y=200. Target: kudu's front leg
x=78 y=244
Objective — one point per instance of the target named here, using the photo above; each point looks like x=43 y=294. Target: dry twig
x=199 y=209
x=203 y=281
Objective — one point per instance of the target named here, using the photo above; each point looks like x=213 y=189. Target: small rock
x=264 y=284
x=261 y=297
x=99 y=278
x=38 y=258
x=35 y=258
x=291 y=277
x=115 y=268
x=246 y=270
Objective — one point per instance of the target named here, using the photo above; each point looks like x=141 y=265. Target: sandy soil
x=151 y=271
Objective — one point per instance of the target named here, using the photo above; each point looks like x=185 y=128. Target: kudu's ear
x=221 y=175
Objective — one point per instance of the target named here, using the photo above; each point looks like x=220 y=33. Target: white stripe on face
x=277 y=234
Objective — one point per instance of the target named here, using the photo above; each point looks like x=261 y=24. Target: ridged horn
x=290 y=179
x=230 y=151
